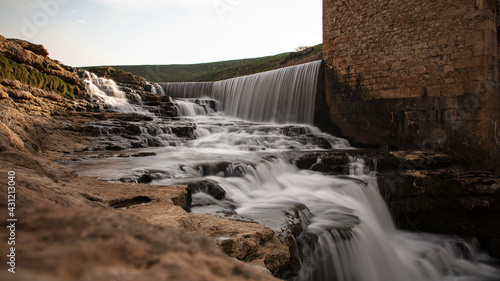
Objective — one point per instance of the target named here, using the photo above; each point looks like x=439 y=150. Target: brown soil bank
x=67 y=227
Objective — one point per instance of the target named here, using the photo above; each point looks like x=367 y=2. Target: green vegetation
x=15 y=71
x=221 y=70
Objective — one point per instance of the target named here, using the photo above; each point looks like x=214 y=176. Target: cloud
x=147 y=5
x=80 y=21
x=74 y=10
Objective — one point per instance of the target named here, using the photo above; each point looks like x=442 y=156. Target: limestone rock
x=3 y=93
x=245 y=241
x=20 y=95
x=64 y=243
x=23 y=52
x=9 y=139
x=242 y=240
x=37 y=49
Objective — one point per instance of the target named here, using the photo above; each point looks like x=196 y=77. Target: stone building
x=415 y=74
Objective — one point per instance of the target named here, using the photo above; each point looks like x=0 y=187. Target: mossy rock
x=29 y=75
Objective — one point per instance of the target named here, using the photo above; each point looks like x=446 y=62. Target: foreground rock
x=165 y=206
x=66 y=233
x=77 y=228
x=68 y=229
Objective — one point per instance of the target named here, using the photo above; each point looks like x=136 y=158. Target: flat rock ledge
x=78 y=228
x=165 y=206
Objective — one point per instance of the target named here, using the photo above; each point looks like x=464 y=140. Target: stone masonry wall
x=422 y=73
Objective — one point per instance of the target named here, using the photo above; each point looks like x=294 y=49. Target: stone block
x=456 y=55
x=453 y=90
x=473 y=87
x=479 y=49
x=469 y=62
x=433 y=91
x=432 y=68
x=449 y=68
x=472 y=38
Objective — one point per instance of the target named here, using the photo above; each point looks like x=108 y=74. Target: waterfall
x=348 y=233
x=193 y=107
x=285 y=95
x=157 y=89
x=108 y=93
x=188 y=89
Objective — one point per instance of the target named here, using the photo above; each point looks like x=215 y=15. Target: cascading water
x=193 y=107
x=156 y=133
x=348 y=233
x=188 y=89
x=285 y=95
x=107 y=92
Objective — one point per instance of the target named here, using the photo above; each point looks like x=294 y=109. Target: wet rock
x=209 y=187
x=184 y=131
x=426 y=192
x=124 y=204
x=145 y=178
x=305 y=162
x=129 y=117
x=494 y=248
x=143 y=154
x=320 y=167
x=291 y=228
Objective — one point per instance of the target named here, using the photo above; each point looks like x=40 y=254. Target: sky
x=132 y=32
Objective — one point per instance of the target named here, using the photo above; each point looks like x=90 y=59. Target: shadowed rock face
x=429 y=192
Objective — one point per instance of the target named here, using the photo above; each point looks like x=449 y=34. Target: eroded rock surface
x=78 y=228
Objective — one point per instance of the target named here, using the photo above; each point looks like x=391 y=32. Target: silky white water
x=285 y=95
x=106 y=91
x=348 y=234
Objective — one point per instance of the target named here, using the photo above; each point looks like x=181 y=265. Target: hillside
x=221 y=70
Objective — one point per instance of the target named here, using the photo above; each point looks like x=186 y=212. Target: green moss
x=15 y=71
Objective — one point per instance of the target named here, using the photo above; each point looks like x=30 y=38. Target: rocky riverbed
x=72 y=228
x=79 y=228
